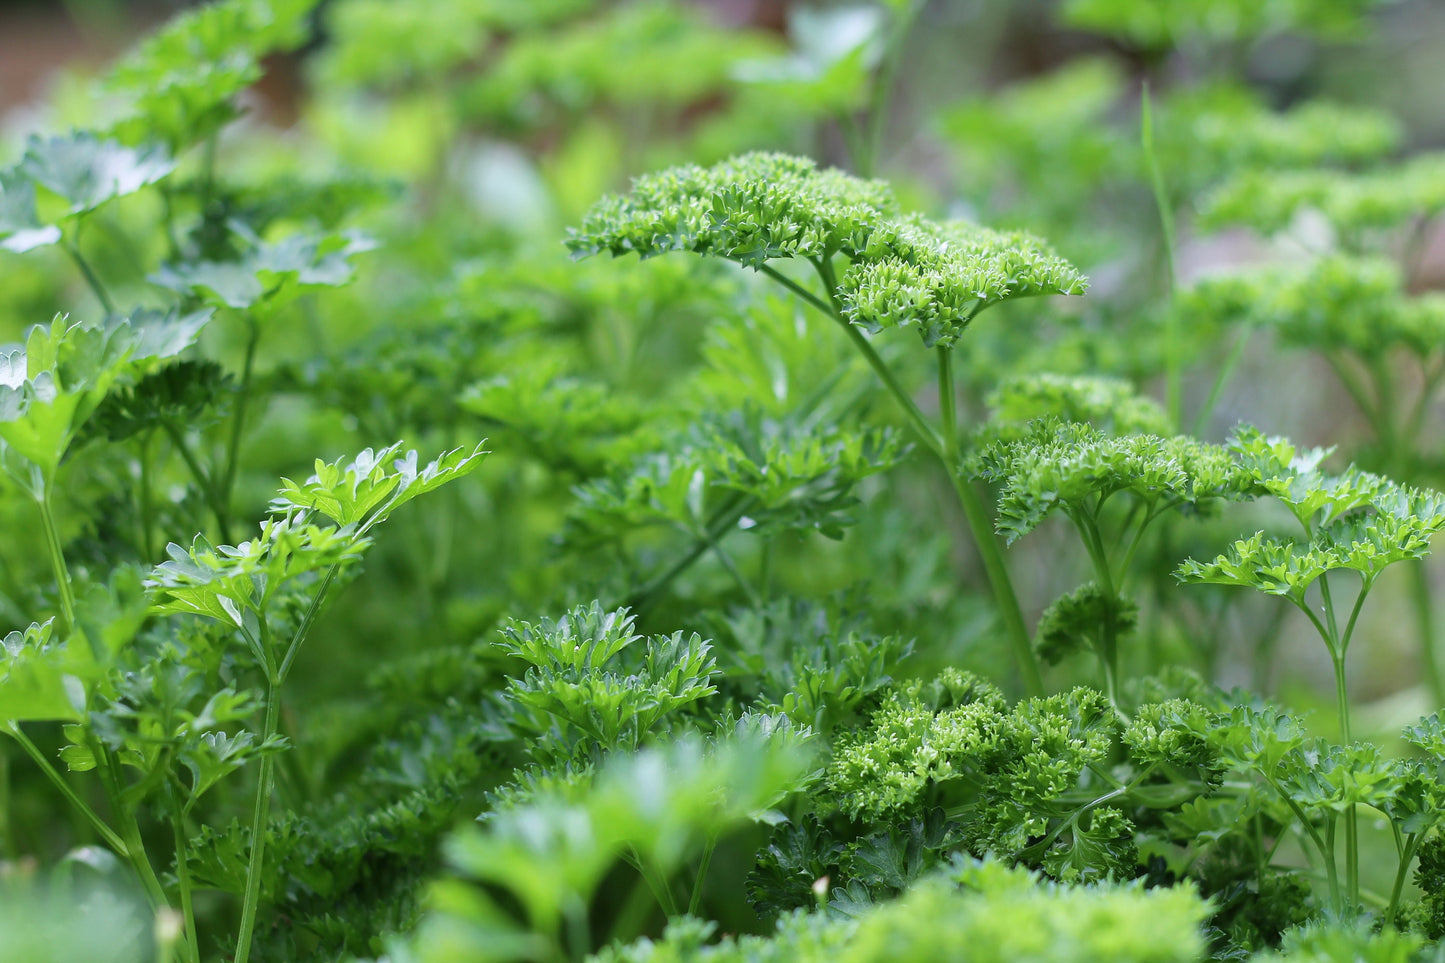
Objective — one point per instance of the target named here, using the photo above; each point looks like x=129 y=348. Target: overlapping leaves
x=903 y=270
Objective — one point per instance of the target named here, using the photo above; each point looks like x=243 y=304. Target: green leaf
x=363 y=491
x=269 y=272
x=86 y=171
x=20 y=226
x=37 y=680
x=182 y=81
x=69 y=369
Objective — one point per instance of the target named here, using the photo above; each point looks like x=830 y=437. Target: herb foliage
x=735 y=624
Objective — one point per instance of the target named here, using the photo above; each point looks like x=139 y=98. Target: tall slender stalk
x=238 y=418
x=944 y=447
x=866 y=162
x=72 y=248
x=183 y=878
x=981 y=524
x=112 y=839
x=260 y=815
x=57 y=562
x=1173 y=362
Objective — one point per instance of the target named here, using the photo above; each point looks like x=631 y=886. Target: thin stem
x=238 y=420
x=1407 y=855
x=1173 y=364
x=726 y=517
x=305 y=626
x=1226 y=371
x=883 y=90
x=727 y=562
x=1424 y=605
x=984 y=536
x=1366 y=583
x=627 y=923
x=1384 y=380
x=1134 y=543
x=880 y=368
x=1337 y=655
x=57 y=562
x=695 y=903
x=136 y=852
x=579 y=943
x=976 y=514
x=7 y=827
x=145 y=499
x=183 y=878
x=1325 y=847
x=655 y=882
x=259 y=821
x=72 y=247
x=1429 y=383
x=1108 y=649
x=112 y=839
x=1356 y=391
x=203 y=480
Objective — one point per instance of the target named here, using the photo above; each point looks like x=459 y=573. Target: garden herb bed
x=793 y=576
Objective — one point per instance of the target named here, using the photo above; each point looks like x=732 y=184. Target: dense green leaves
x=905 y=270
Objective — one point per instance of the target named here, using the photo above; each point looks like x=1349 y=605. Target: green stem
x=305 y=627
x=883 y=90
x=727 y=562
x=916 y=420
x=1384 y=380
x=1226 y=371
x=981 y=525
x=726 y=517
x=57 y=562
x=72 y=247
x=1337 y=655
x=7 y=827
x=1424 y=605
x=258 y=824
x=144 y=498
x=1356 y=392
x=1429 y=383
x=1173 y=364
x=183 y=879
x=655 y=882
x=579 y=943
x=975 y=513
x=1136 y=541
x=628 y=922
x=136 y=852
x=112 y=839
x=238 y=420
x=1326 y=853
x=695 y=903
x=1407 y=855
x=1108 y=650
x=203 y=480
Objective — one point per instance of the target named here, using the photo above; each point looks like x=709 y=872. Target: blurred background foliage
x=464 y=136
